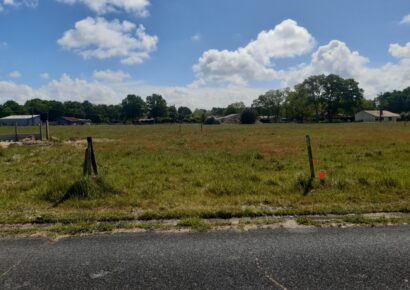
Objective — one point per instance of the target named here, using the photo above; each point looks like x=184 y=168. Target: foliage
x=235 y=108
x=395 y=101
x=157 y=106
x=270 y=103
x=133 y=107
x=248 y=116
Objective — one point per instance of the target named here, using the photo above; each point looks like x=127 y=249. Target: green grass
x=157 y=172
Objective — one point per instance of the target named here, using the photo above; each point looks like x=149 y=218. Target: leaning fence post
x=90 y=163
x=309 y=147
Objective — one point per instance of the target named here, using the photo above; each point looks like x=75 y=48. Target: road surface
x=309 y=258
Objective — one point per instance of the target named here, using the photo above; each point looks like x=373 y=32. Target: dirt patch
x=82 y=142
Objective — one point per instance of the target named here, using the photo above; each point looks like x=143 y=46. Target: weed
x=194 y=223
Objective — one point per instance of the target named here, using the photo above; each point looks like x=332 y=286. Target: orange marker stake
x=322 y=175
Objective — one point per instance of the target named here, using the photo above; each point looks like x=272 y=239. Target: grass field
x=158 y=172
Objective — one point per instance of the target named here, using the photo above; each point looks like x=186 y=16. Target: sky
x=197 y=53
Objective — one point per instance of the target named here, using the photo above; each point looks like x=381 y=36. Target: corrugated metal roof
x=20 y=117
x=376 y=113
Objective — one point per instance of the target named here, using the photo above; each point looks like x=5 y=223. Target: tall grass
x=231 y=169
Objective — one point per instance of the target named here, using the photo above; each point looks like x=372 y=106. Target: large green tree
x=133 y=107
x=270 y=103
x=157 y=106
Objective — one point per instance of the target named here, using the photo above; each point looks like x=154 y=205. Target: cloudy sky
x=200 y=53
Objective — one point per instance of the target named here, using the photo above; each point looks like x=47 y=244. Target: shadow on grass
x=84 y=188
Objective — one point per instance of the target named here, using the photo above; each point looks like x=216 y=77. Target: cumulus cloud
x=399 y=51
x=110 y=76
x=405 y=20
x=254 y=61
x=11 y=91
x=75 y=89
x=337 y=58
x=138 y=7
x=102 y=39
x=45 y=76
x=15 y=74
x=18 y=3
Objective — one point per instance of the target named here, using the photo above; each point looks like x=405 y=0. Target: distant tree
x=235 y=108
x=55 y=110
x=200 y=114
x=395 y=101
x=297 y=105
x=248 y=116
x=330 y=95
x=184 y=113
x=133 y=107
x=172 y=113
x=217 y=111
x=74 y=109
x=13 y=108
x=314 y=87
x=270 y=103
x=368 y=105
x=157 y=106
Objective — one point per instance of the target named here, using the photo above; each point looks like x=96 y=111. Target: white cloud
x=138 y=7
x=405 y=20
x=17 y=3
x=254 y=61
x=73 y=89
x=15 y=74
x=337 y=58
x=45 y=76
x=196 y=37
x=102 y=39
x=110 y=76
x=399 y=51
x=12 y=91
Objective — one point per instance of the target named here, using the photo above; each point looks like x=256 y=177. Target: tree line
x=317 y=98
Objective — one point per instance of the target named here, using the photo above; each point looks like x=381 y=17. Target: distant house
x=230 y=119
x=71 y=121
x=374 y=116
x=146 y=121
x=20 y=120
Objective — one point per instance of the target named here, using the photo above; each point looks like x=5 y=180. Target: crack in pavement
x=269 y=277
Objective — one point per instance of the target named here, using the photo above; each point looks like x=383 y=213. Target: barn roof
x=376 y=113
x=20 y=117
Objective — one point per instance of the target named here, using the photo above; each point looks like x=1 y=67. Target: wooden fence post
x=90 y=163
x=309 y=147
x=41 y=131
x=16 y=136
x=47 y=131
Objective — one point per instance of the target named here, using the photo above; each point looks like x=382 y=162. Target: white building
x=20 y=120
x=374 y=116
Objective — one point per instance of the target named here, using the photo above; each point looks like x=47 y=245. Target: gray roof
x=376 y=113
x=20 y=117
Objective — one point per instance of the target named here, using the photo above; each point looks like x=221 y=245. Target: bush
x=248 y=116
x=211 y=121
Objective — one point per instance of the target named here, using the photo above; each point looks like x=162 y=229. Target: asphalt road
x=353 y=258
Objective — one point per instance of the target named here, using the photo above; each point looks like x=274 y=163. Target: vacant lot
x=165 y=171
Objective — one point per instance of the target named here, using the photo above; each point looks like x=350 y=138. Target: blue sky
x=197 y=52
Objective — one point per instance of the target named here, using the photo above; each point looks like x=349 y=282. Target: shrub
x=211 y=121
x=248 y=116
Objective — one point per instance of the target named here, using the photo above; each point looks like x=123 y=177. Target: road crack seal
x=269 y=277
x=11 y=268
